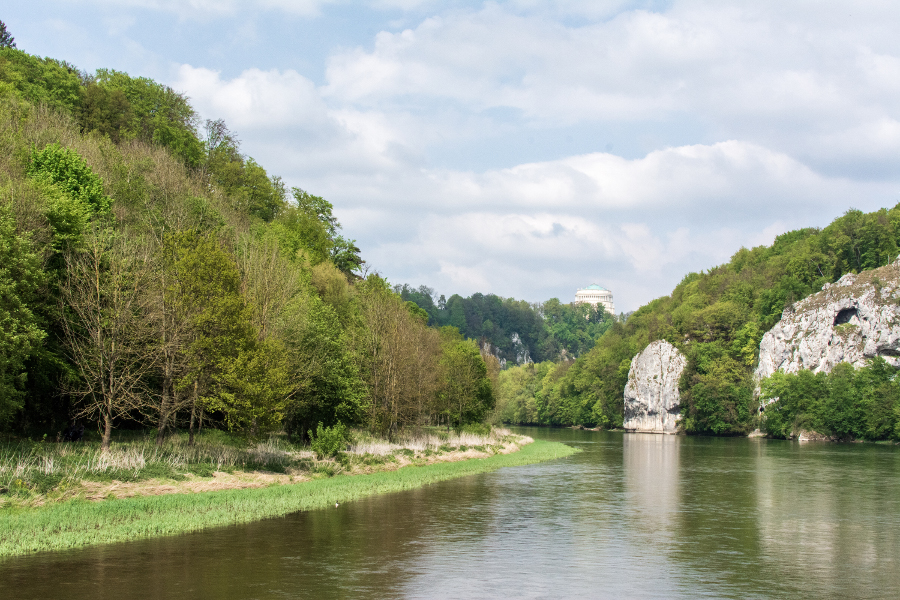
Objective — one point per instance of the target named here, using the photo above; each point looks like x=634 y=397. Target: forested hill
x=717 y=318
x=153 y=275
x=518 y=331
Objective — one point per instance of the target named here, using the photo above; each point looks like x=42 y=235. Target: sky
x=528 y=148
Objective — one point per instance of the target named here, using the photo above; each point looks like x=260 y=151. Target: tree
x=253 y=387
x=325 y=381
x=345 y=256
x=159 y=114
x=317 y=207
x=108 y=112
x=466 y=394
x=65 y=169
x=40 y=80
x=397 y=357
x=210 y=326
x=108 y=335
x=6 y=39
x=20 y=335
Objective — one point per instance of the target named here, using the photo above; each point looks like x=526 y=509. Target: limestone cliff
x=651 y=394
x=852 y=320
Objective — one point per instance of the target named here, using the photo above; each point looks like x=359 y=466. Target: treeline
x=717 y=318
x=519 y=332
x=152 y=275
x=845 y=404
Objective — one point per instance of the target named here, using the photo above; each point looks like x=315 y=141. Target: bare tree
x=109 y=335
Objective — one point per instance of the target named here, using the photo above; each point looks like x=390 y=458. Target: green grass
x=81 y=523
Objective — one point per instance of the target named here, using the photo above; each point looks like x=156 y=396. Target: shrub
x=329 y=441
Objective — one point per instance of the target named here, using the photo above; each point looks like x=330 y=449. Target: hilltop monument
x=594 y=295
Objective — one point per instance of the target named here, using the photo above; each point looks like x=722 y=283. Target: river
x=633 y=516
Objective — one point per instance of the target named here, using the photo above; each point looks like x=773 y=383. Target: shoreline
x=81 y=523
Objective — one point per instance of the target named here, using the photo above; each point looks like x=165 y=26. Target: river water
x=633 y=516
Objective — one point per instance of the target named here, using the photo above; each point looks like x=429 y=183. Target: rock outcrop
x=651 y=394
x=852 y=320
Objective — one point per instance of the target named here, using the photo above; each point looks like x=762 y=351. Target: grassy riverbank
x=33 y=474
x=78 y=523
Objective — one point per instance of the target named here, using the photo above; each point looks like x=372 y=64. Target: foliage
x=847 y=403
x=20 y=333
x=466 y=394
x=397 y=358
x=178 y=284
x=73 y=191
x=158 y=114
x=242 y=179
x=39 y=80
x=585 y=392
x=328 y=386
x=329 y=441
x=517 y=330
x=6 y=38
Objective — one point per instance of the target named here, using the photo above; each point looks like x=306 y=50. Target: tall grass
x=428 y=440
x=38 y=467
x=80 y=523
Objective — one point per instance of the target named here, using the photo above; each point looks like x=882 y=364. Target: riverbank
x=77 y=523
x=33 y=474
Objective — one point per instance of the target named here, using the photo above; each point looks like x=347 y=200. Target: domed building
x=594 y=295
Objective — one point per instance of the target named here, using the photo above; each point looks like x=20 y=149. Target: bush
x=329 y=441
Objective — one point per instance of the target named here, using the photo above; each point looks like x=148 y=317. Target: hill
x=717 y=318
x=153 y=275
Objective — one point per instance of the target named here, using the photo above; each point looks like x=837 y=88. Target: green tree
x=159 y=114
x=466 y=395
x=75 y=191
x=6 y=38
x=107 y=112
x=20 y=333
x=219 y=344
x=253 y=388
x=326 y=383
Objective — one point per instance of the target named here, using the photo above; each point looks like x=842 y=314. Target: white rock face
x=852 y=320
x=651 y=394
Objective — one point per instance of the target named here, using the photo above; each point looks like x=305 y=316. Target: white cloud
x=256 y=99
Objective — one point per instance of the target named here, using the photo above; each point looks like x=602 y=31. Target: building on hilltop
x=594 y=295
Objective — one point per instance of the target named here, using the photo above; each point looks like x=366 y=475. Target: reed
x=81 y=523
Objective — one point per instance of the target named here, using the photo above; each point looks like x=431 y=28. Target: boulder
x=852 y=320
x=651 y=394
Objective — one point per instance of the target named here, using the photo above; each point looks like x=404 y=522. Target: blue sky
x=529 y=148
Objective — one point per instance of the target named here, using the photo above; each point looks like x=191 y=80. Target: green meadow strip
x=81 y=523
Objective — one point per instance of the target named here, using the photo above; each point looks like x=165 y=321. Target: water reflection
x=828 y=517
x=636 y=515
x=652 y=479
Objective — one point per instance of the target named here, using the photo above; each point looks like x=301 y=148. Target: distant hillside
x=717 y=318
x=518 y=331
